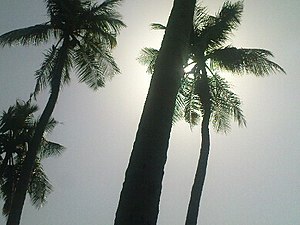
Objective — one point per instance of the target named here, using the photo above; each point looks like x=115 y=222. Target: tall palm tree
x=140 y=195
x=204 y=93
x=85 y=33
x=17 y=126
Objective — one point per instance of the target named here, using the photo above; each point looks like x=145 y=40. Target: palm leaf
x=43 y=75
x=157 y=26
x=241 y=61
x=216 y=30
x=94 y=63
x=148 y=57
x=31 y=35
x=192 y=104
x=39 y=187
x=49 y=149
x=226 y=105
x=109 y=5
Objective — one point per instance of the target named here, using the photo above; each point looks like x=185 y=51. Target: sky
x=253 y=173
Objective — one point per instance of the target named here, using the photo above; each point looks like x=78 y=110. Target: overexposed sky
x=253 y=173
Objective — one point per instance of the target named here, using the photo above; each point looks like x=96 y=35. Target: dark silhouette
x=139 y=199
x=86 y=33
x=17 y=126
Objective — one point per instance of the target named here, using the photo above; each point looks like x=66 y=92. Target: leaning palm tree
x=140 y=195
x=85 y=34
x=17 y=126
x=206 y=95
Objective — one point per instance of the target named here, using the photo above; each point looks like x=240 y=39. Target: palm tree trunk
x=14 y=216
x=194 y=203
x=139 y=199
x=202 y=88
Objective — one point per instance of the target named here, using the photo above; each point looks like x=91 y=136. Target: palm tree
x=17 y=126
x=85 y=33
x=205 y=94
x=140 y=195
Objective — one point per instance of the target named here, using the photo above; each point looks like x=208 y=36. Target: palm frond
x=226 y=105
x=43 y=75
x=103 y=21
x=216 y=29
x=104 y=26
x=148 y=57
x=157 y=26
x=110 y=4
x=49 y=149
x=192 y=104
x=200 y=17
x=94 y=63
x=39 y=187
x=179 y=108
x=31 y=35
x=241 y=61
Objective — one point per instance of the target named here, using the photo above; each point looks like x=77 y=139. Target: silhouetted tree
x=203 y=93
x=17 y=126
x=85 y=33
x=140 y=195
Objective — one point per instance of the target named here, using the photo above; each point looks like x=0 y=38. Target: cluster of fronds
x=17 y=126
x=207 y=42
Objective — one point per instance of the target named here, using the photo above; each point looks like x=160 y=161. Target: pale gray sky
x=253 y=174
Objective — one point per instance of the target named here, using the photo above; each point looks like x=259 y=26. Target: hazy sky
x=253 y=173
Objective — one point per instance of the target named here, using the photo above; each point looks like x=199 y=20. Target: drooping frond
x=191 y=101
x=43 y=75
x=39 y=187
x=226 y=105
x=241 y=61
x=157 y=26
x=94 y=63
x=50 y=149
x=148 y=57
x=31 y=35
x=179 y=108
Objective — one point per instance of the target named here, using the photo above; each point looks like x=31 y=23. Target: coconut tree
x=204 y=94
x=17 y=126
x=84 y=35
x=140 y=195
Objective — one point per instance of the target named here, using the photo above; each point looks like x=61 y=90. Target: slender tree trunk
x=194 y=203
x=139 y=199
x=14 y=216
x=203 y=91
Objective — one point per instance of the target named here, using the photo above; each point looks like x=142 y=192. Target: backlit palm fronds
x=215 y=30
x=226 y=105
x=188 y=104
x=94 y=63
x=241 y=61
x=148 y=57
x=43 y=74
x=39 y=187
x=16 y=131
